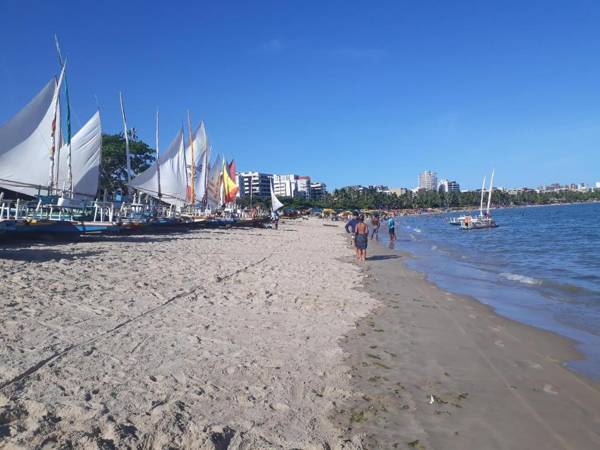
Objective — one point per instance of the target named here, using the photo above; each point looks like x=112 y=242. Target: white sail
x=215 y=182
x=201 y=158
x=25 y=143
x=173 y=178
x=482 y=194
x=490 y=194
x=275 y=203
x=86 y=150
x=202 y=180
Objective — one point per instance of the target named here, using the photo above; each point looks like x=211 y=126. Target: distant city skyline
x=350 y=93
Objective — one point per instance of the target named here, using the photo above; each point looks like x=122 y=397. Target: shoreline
x=275 y=339
x=433 y=369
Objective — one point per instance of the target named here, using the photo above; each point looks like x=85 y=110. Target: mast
x=157 y=156
x=482 y=192
x=193 y=162
x=126 y=142
x=69 y=159
x=55 y=122
x=490 y=194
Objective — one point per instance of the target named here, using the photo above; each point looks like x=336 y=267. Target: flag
x=231 y=187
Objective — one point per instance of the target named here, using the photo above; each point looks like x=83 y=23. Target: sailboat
x=484 y=220
x=26 y=140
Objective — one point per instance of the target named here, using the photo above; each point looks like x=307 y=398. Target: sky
x=347 y=92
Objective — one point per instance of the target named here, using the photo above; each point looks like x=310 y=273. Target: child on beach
x=361 y=238
x=392 y=228
x=375 y=224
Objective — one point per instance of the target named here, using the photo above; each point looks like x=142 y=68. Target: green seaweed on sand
x=358 y=417
x=377 y=363
x=371 y=355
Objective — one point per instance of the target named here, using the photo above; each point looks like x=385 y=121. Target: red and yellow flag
x=231 y=187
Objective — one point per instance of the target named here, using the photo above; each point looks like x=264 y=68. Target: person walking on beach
x=351 y=225
x=375 y=223
x=392 y=228
x=275 y=219
x=361 y=238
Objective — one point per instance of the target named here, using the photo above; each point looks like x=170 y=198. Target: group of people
x=359 y=230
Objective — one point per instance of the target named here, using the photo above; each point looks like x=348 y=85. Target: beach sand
x=208 y=339
x=249 y=338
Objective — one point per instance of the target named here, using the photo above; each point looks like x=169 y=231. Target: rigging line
x=57 y=355
x=37 y=186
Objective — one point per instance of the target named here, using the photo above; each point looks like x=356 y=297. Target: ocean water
x=541 y=266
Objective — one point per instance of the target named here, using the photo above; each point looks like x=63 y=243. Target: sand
x=208 y=339
x=252 y=339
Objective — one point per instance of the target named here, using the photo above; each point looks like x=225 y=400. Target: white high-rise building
x=256 y=184
x=285 y=185
x=317 y=190
x=304 y=185
x=428 y=181
x=448 y=186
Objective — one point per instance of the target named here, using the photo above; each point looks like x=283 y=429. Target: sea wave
x=521 y=278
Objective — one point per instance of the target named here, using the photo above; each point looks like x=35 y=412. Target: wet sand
x=433 y=370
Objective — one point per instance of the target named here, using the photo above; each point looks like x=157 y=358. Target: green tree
x=113 y=169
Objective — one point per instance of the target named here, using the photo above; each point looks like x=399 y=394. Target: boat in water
x=484 y=220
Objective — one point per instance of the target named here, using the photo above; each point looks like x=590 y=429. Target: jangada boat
x=484 y=220
x=180 y=187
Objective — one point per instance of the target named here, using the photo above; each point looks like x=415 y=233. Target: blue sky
x=347 y=92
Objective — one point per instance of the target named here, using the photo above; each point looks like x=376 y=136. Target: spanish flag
x=231 y=187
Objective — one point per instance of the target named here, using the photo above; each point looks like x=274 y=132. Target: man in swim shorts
x=361 y=238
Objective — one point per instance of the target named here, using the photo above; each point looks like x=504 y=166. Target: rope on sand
x=59 y=354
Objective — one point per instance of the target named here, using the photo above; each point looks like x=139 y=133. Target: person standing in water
x=392 y=228
x=361 y=238
x=375 y=223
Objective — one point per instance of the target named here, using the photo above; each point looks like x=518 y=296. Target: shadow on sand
x=40 y=255
x=382 y=257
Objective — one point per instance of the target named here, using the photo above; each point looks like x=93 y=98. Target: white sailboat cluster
x=34 y=160
x=181 y=186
